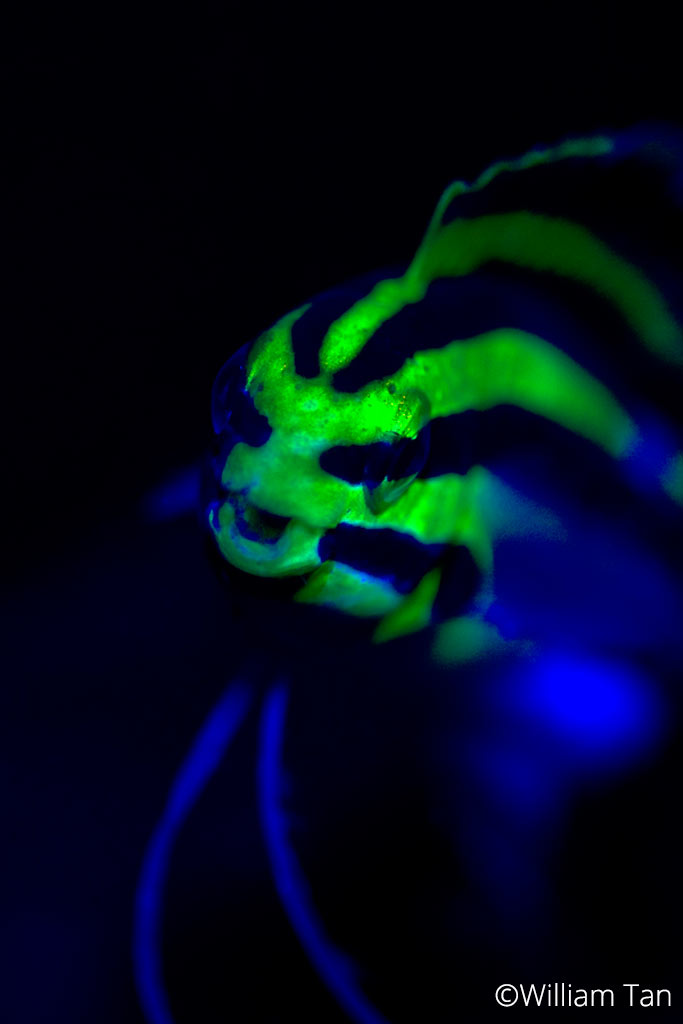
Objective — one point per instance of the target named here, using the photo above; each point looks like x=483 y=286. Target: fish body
x=363 y=441
x=486 y=441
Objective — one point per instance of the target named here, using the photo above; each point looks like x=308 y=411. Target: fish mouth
x=254 y=523
x=263 y=543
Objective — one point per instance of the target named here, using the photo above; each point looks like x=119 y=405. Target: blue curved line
x=335 y=969
x=195 y=771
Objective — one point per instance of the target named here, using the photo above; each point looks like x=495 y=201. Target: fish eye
x=232 y=407
x=392 y=466
x=397 y=460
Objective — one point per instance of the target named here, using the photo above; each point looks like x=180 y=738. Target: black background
x=172 y=186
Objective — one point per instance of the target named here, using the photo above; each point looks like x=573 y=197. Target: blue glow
x=513 y=776
x=335 y=968
x=647 y=460
x=176 y=497
x=195 y=771
x=550 y=726
x=598 y=710
x=600 y=590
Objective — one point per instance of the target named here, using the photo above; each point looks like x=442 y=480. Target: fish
x=359 y=439
x=481 y=448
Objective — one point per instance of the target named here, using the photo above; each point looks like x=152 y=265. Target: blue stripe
x=335 y=968
x=195 y=771
x=398 y=558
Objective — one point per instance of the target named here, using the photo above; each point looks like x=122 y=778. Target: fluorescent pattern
x=278 y=512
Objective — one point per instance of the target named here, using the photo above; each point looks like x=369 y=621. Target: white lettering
x=532 y=992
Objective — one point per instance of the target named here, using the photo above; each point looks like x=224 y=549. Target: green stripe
x=528 y=240
x=551 y=244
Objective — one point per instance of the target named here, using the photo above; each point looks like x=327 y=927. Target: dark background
x=171 y=188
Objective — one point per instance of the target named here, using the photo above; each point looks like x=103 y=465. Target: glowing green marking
x=413 y=613
x=287 y=481
x=296 y=551
x=442 y=510
x=512 y=367
x=599 y=145
x=507 y=366
x=284 y=477
x=527 y=240
x=349 y=590
x=470 y=638
x=504 y=366
x=349 y=333
x=552 y=244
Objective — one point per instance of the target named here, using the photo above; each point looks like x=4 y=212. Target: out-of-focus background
x=172 y=186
